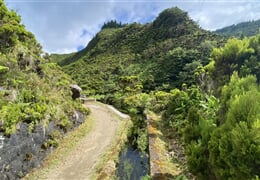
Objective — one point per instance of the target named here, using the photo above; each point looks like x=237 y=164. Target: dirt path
x=80 y=163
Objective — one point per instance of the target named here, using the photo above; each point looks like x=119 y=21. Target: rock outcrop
x=75 y=91
x=24 y=150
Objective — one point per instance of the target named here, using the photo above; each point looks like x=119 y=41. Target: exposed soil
x=81 y=161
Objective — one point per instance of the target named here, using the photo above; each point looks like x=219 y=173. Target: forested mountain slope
x=157 y=55
x=205 y=87
x=240 y=30
x=36 y=107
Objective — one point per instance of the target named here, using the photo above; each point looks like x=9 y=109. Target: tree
x=230 y=58
x=112 y=24
x=236 y=87
x=234 y=146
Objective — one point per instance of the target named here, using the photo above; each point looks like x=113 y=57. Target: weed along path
x=80 y=162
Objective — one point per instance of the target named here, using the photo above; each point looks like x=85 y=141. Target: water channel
x=133 y=164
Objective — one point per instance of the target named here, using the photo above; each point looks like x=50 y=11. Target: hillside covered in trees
x=143 y=54
x=205 y=88
x=240 y=30
x=36 y=107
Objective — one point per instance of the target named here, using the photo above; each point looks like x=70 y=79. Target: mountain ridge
x=240 y=30
x=142 y=44
x=203 y=87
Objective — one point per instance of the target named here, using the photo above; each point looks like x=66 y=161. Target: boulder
x=75 y=91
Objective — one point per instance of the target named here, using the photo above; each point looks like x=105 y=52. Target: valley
x=175 y=101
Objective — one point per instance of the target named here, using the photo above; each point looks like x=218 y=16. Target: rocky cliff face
x=24 y=150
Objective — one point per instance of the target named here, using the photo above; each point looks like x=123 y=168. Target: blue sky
x=64 y=26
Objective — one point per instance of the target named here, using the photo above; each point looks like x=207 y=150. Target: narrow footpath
x=81 y=161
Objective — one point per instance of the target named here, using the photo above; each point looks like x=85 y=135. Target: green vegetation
x=240 y=30
x=158 y=59
x=112 y=24
x=122 y=65
x=237 y=55
x=32 y=90
x=205 y=87
x=3 y=69
x=221 y=135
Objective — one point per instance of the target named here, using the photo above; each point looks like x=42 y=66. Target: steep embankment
x=36 y=107
x=81 y=161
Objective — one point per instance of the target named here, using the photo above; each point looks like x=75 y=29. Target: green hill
x=244 y=29
x=154 y=56
x=205 y=87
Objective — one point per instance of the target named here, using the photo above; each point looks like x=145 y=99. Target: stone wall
x=161 y=166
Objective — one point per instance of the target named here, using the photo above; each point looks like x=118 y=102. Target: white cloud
x=58 y=25
x=214 y=15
